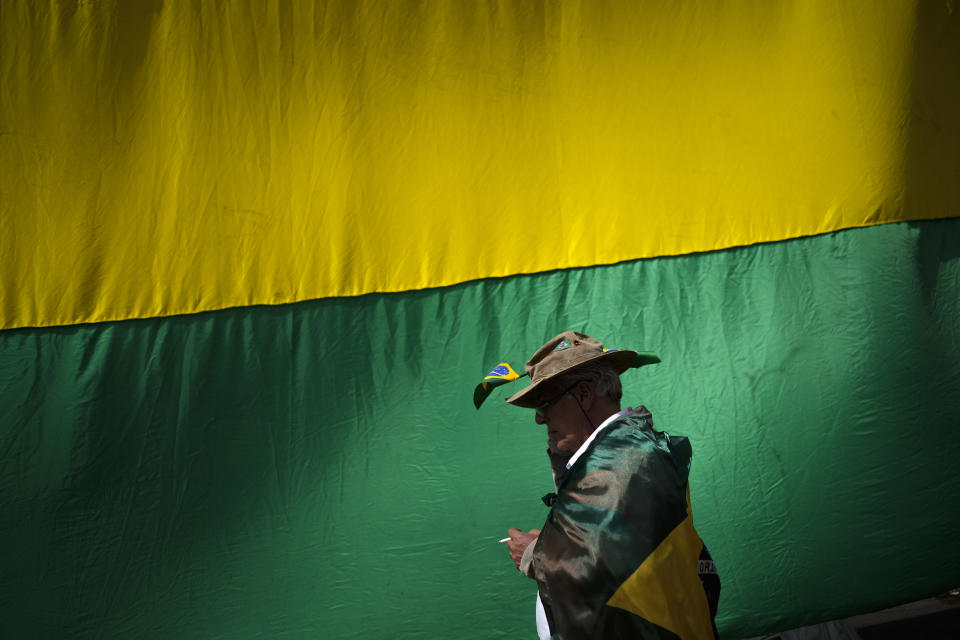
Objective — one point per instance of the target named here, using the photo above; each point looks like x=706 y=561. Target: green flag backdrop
x=255 y=257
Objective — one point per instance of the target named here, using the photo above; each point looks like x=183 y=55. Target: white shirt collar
x=603 y=425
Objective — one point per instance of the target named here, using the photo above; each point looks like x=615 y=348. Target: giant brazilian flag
x=255 y=255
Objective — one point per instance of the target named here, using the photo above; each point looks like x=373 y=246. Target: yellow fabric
x=172 y=157
x=666 y=590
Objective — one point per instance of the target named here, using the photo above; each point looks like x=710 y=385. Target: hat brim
x=621 y=359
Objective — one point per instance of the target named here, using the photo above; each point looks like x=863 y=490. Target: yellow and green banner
x=254 y=257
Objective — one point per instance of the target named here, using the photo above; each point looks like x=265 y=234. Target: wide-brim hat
x=568 y=351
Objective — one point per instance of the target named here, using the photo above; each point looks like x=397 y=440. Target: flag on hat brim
x=501 y=375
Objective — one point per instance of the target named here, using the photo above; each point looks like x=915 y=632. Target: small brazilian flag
x=501 y=374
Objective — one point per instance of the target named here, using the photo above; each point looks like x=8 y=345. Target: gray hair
x=605 y=380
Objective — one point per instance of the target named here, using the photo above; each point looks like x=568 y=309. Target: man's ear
x=585 y=394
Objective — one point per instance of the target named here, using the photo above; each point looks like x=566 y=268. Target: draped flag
x=254 y=255
x=645 y=581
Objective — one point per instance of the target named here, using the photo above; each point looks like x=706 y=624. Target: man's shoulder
x=628 y=425
x=633 y=434
x=639 y=416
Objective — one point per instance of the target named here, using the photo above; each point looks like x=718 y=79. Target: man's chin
x=559 y=447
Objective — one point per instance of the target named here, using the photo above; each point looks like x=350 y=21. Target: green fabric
x=319 y=468
x=621 y=499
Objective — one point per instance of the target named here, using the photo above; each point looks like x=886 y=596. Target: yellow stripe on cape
x=666 y=589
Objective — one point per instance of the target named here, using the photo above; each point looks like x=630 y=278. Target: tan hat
x=568 y=351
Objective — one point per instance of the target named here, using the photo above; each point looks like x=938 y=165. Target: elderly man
x=618 y=556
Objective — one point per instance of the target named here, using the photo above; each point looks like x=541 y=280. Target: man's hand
x=518 y=543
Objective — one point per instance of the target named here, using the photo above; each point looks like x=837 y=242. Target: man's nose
x=539 y=418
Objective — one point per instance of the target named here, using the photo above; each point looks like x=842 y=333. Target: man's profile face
x=567 y=426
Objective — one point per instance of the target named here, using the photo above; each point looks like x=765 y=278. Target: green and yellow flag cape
x=618 y=554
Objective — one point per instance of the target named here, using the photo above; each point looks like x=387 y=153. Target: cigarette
x=507 y=539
